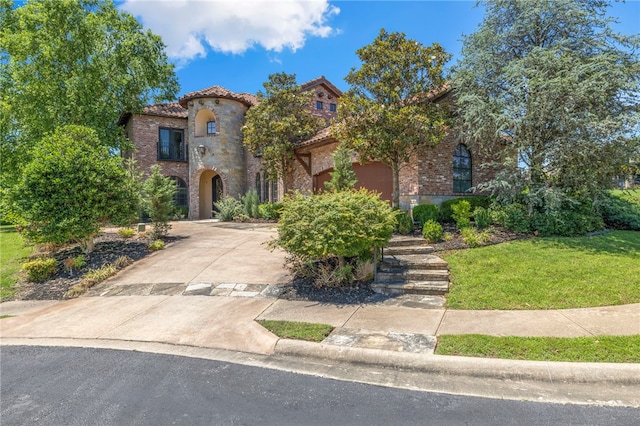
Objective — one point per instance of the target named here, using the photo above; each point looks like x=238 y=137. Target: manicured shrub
x=404 y=223
x=333 y=227
x=270 y=210
x=446 y=207
x=40 y=269
x=432 y=231
x=473 y=238
x=228 y=208
x=462 y=214
x=482 y=217
x=425 y=212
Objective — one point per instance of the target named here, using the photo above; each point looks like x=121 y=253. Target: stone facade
x=218 y=164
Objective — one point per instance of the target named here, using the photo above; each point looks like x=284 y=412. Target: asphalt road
x=77 y=386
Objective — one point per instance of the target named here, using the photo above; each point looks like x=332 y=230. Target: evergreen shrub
x=446 y=208
x=425 y=212
x=404 y=223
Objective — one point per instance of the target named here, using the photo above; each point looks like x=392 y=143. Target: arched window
x=274 y=191
x=181 y=198
x=461 y=169
x=205 y=123
x=259 y=187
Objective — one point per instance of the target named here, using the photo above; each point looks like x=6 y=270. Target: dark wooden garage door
x=374 y=176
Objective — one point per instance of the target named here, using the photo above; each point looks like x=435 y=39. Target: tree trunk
x=395 y=196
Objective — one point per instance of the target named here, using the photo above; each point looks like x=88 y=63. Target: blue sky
x=238 y=43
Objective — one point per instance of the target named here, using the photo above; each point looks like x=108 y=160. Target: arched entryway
x=211 y=191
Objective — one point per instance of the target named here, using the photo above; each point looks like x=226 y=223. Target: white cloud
x=188 y=27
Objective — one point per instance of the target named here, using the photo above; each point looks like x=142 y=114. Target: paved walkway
x=208 y=288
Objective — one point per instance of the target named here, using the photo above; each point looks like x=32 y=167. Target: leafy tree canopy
x=71 y=187
x=78 y=62
x=281 y=119
x=389 y=112
x=551 y=88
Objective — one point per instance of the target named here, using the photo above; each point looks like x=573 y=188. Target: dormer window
x=211 y=127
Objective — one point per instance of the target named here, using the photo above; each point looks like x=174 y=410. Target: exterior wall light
x=202 y=149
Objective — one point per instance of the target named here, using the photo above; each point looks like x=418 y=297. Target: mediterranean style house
x=198 y=142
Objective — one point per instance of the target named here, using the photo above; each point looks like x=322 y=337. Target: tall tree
x=389 y=112
x=551 y=88
x=70 y=188
x=78 y=62
x=281 y=119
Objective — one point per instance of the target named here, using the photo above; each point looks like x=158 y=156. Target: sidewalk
x=159 y=300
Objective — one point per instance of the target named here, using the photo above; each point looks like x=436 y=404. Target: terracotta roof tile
x=322 y=136
x=172 y=109
x=219 y=92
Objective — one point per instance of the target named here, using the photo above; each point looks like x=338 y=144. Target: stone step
x=438 y=288
x=413 y=261
x=405 y=250
x=393 y=275
x=404 y=241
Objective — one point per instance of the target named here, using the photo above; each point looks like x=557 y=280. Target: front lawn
x=575 y=349
x=547 y=273
x=13 y=253
x=298 y=330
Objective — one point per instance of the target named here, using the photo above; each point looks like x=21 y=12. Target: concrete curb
x=502 y=369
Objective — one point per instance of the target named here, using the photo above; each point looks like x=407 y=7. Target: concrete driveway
x=207 y=253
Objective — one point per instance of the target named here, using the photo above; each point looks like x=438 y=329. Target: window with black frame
x=462 y=177
x=171 y=145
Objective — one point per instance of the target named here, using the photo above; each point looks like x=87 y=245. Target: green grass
x=298 y=330
x=547 y=273
x=631 y=194
x=13 y=254
x=578 y=349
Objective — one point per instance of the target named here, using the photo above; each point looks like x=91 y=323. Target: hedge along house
x=198 y=142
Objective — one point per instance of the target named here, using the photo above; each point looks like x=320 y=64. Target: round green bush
x=334 y=224
x=425 y=212
x=40 y=269
x=432 y=231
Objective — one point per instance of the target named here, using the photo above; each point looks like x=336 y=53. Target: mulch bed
x=109 y=247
